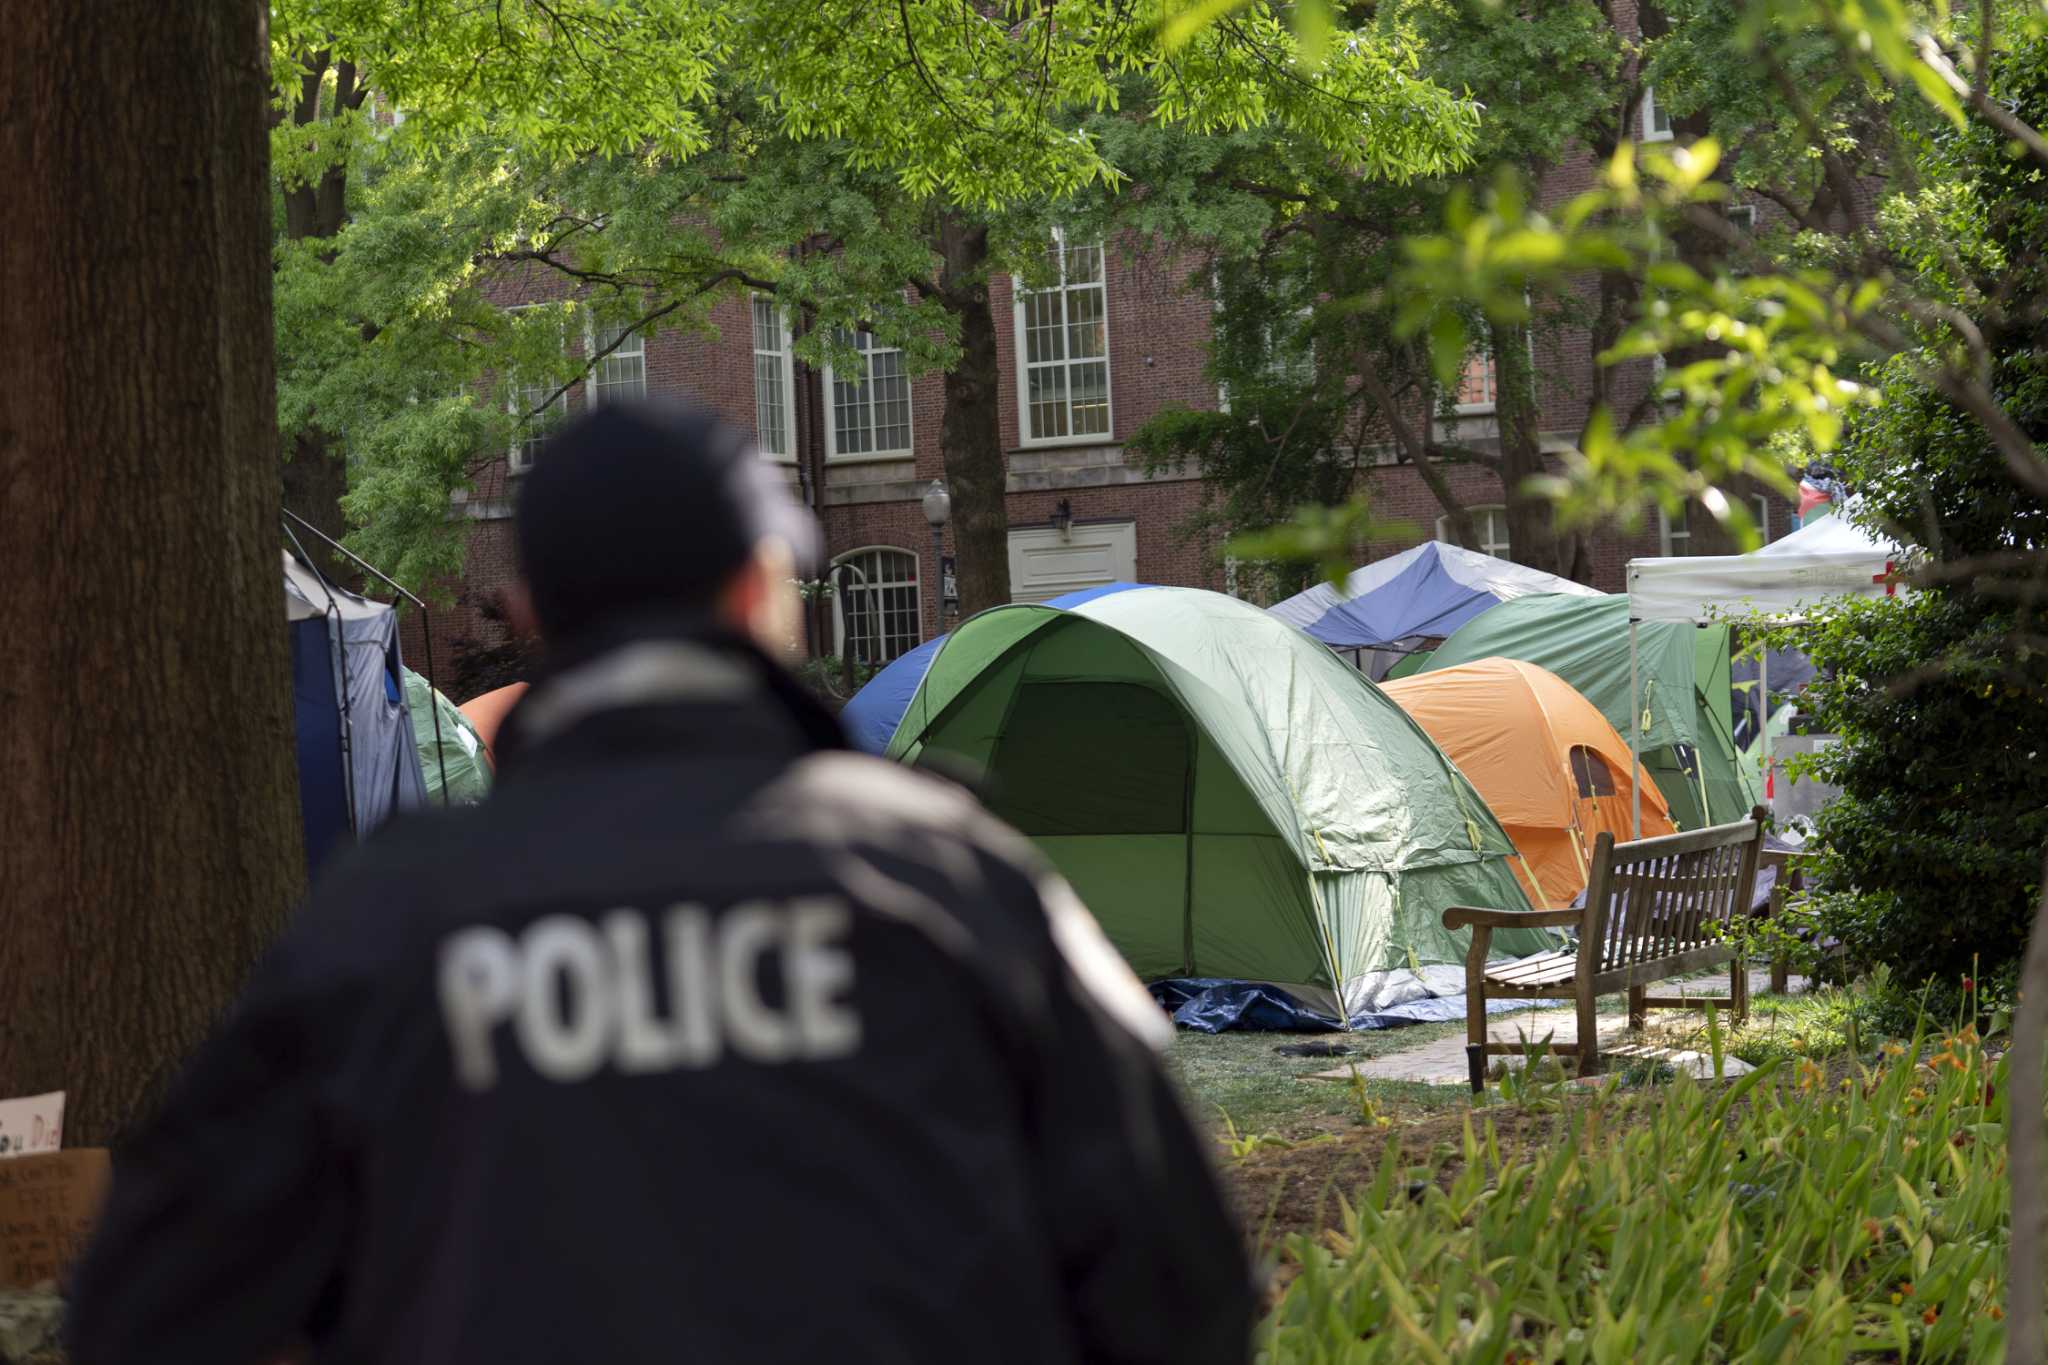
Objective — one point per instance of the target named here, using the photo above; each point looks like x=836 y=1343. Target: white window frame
x=916 y=585
x=1760 y=508
x=1650 y=131
x=1742 y=216
x=1024 y=367
x=787 y=369
x=517 y=458
x=831 y=406
x=1675 y=542
x=634 y=347
x=1500 y=549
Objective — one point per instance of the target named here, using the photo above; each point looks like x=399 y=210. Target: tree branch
x=1838 y=175
x=1978 y=95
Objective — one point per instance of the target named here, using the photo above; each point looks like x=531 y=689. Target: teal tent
x=461 y=754
x=1681 y=687
x=1230 y=798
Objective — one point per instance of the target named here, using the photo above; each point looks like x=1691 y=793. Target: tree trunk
x=316 y=469
x=1533 y=532
x=147 y=787
x=315 y=479
x=972 y=434
x=2027 y=1152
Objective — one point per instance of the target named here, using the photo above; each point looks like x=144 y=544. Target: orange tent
x=1542 y=756
x=487 y=712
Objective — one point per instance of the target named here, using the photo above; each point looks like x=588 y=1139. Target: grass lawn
x=1236 y=1081
x=1240 y=1076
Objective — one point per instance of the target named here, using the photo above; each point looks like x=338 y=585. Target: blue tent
x=1425 y=592
x=358 y=761
x=870 y=718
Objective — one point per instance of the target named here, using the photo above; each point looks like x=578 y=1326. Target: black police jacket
x=699 y=1041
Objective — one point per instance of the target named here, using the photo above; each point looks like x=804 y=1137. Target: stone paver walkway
x=1443 y=1062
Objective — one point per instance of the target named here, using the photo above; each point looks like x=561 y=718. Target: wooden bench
x=1655 y=909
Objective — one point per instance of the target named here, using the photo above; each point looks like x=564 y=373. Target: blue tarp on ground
x=870 y=718
x=1428 y=591
x=1207 y=1005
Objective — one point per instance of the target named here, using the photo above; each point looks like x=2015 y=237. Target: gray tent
x=357 y=759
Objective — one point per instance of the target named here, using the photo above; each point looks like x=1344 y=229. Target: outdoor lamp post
x=938 y=509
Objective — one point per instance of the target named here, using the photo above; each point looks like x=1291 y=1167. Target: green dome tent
x=1230 y=798
x=461 y=755
x=1682 y=688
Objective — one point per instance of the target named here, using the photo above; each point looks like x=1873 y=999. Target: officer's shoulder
x=876 y=789
x=860 y=794
x=377 y=891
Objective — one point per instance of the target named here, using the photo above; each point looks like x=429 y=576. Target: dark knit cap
x=640 y=507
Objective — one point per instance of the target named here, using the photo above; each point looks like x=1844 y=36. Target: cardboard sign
x=31 y=1125
x=47 y=1206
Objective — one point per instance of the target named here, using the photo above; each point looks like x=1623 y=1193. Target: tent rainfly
x=1551 y=768
x=1670 y=688
x=1230 y=798
x=1419 y=594
x=871 y=715
x=1825 y=561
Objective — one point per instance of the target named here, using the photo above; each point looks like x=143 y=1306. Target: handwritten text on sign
x=47 y=1204
x=34 y=1124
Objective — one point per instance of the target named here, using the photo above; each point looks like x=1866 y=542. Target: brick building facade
x=1080 y=511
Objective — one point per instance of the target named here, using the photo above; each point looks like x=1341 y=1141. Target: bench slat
x=1545 y=969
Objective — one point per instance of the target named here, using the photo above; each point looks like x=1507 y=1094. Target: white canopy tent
x=1829 y=560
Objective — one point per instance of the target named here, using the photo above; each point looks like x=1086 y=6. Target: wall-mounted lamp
x=1063 y=518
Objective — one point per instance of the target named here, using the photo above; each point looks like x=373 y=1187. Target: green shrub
x=1933 y=854
x=1790 y=1215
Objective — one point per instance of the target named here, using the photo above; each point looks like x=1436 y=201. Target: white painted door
x=1045 y=564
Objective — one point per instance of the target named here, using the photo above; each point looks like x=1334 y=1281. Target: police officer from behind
x=702 y=1040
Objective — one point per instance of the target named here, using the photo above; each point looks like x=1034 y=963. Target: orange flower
x=1996 y=1313
x=1929 y=1316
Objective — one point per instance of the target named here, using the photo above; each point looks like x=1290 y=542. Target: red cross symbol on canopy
x=1890 y=579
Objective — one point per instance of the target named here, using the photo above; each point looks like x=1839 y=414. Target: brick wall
x=1158 y=332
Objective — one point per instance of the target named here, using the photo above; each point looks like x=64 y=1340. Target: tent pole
x=434 y=704
x=1763 y=687
x=1635 y=739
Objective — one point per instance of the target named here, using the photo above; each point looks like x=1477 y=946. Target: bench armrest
x=1459 y=916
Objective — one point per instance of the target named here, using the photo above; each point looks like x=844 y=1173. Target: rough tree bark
x=316 y=469
x=971 y=432
x=147 y=784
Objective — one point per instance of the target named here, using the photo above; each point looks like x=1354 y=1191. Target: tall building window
x=1656 y=123
x=774 y=383
x=1490 y=524
x=622 y=374
x=1675 y=533
x=531 y=422
x=871 y=405
x=877 y=604
x=1760 y=508
x=1063 y=347
x=1479 y=384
